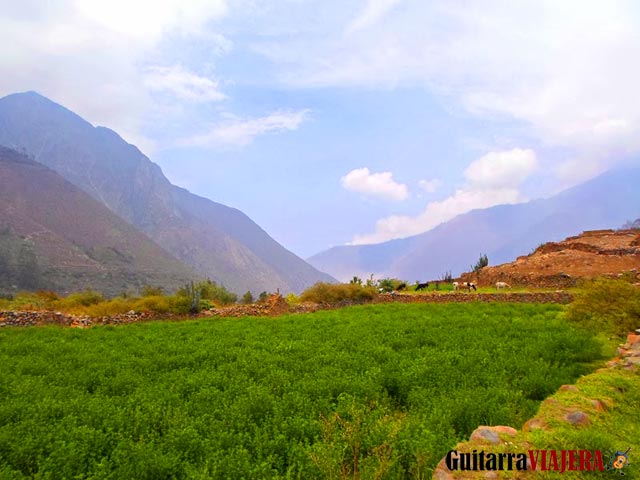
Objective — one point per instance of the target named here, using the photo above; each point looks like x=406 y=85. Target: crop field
x=379 y=391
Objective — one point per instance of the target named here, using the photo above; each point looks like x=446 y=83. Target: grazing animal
x=422 y=286
x=402 y=286
x=470 y=286
x=500 y=285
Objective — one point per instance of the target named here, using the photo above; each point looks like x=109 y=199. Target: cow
x=402 y=286
x=422 y=286
x=500 y=285
x=468 y=285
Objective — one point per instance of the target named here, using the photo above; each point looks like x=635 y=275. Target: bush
x=390 y=284
x=77 y=302
x=292 y=299
x=209 y=290
x=335 y=293
x=109 y=307
x=482 y=262
x=158 y=304
x=247 y=298
x=612 y=306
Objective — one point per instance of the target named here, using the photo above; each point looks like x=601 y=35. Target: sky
x=345 y=122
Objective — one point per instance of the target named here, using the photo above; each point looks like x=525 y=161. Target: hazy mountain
x=502 y=232
x=54 y=236
x=219 y=242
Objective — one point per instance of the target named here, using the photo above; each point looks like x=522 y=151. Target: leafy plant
x=606 y=305
x=332 y=293
x=482 y=262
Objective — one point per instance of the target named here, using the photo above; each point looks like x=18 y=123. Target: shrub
x=150 y=291
x=158 y=304
x=612 y=306
x=292 y=299
x=247 y=298
x=209 y=290
x=76 y=302
x=109 y=307
x=390 y=284
x=335 y=293
x=482 y=262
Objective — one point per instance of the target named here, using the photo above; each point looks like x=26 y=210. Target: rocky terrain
x=612 y=253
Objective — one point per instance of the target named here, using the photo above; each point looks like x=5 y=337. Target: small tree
x=247 y=298
x=447 y=277
x=263 y=297
x=482 y=262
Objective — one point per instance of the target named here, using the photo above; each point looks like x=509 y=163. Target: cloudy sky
x=354 y=121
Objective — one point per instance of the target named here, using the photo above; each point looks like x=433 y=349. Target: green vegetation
x=612 y=306
x=188 y=299
x=482 y=262
x=615 y=428
x=371 y=391
x=335 y=293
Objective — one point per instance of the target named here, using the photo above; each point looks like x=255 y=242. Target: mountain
x=54 y=236
x=502 y=232
x=217 y=241
x=592 y=254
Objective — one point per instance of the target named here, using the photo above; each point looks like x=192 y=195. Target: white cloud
x=430 y=186
x=372 y=13
x=148 y=19
x=240 y=132
x=382 y=185
x=493 y=179
x=89 y=55
x=183 y=84
x=462 y=201
x=502 y=169
x=566 y=70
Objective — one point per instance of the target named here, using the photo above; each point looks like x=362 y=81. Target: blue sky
x=345 y=122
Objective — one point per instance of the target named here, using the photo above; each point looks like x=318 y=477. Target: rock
x=440 y=474
x=577 y=418
x=534 y=424
x=569 y=388
x=485 y=435
x=598 y=405
x=506 y=430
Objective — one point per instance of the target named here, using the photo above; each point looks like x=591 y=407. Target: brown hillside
x=593 y=253
x=54 y=236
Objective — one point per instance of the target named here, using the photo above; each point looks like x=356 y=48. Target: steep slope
x=218 y=241
x=502 y=232
x=54 y=236
x=591 y=254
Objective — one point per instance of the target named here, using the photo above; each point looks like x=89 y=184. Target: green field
x=383 y=390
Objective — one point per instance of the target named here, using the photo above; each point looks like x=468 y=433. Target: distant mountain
x=218 y=241
x=54 y=236
x=502 y=232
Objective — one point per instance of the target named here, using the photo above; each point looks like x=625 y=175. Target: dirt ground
x=613 y=253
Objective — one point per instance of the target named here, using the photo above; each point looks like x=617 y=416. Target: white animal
x=500 y=285
x=468 y=285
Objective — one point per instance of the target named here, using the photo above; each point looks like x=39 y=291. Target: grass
x=378 y=391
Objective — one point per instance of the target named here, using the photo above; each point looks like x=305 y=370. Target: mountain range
x=209 y=238
x=502 y=232
x=54 y=236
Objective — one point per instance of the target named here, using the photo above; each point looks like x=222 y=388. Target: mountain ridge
x=503 y=232
x=54 y=236
x=219 y=242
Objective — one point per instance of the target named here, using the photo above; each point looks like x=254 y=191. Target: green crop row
x=377 y=391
